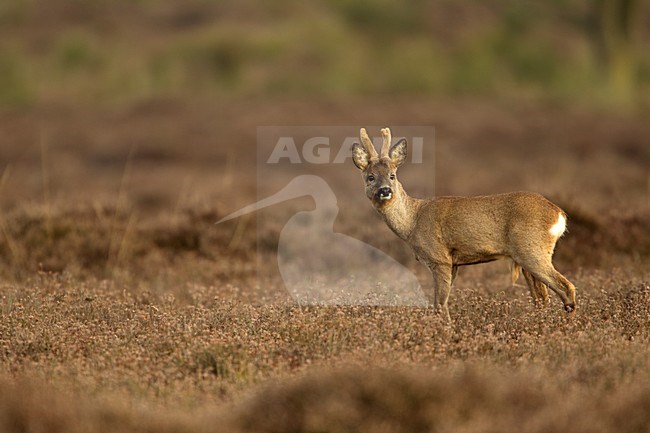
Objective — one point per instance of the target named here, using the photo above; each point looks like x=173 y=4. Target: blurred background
x=121 y=52
x=128 y=127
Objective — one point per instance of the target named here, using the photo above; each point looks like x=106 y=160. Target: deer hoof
x=569 y=308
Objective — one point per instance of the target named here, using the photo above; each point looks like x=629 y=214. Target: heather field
x=125 y=308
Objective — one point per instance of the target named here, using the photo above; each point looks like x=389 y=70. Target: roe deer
x=448 y=232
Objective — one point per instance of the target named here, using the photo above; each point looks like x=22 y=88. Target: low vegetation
x=123 y=307
x=93 y=355
x=127 y=129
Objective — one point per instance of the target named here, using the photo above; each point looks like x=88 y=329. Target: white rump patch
x=558 y=228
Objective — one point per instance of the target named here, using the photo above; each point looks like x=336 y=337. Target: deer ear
x=397 y=153
x=360 y=156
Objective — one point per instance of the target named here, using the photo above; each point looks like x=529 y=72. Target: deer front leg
x=442 y=278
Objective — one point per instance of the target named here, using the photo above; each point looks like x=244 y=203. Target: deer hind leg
x=544 y=272
x=454 y=274
x=514 y=272
x=538 y=290
x=568 y=288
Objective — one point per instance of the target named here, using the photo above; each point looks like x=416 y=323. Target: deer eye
x=371 y=178
x=392 y=176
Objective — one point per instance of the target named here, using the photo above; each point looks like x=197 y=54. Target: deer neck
x=401 y=213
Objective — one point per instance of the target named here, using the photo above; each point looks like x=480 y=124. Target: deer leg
x=538 y=290
x=545 y=273
x=567 y=287
x=454 y=273
x=514 y=272
x=442 y=277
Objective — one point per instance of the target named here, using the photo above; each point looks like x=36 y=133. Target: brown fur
x=448 y=232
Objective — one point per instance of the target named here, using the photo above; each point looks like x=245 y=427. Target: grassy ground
x=127 y=129
x=124 y=308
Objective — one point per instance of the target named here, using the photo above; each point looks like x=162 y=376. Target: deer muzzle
x=384 y=193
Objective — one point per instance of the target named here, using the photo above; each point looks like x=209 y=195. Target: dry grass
x=128 y=128
x=111 y=360
x=124 y=308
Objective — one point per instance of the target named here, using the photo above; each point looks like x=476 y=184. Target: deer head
x=379 y=172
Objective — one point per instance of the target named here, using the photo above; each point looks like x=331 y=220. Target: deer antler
x=385 y=133
x=367 y=143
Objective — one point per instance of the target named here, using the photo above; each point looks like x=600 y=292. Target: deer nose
x=384 y=193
